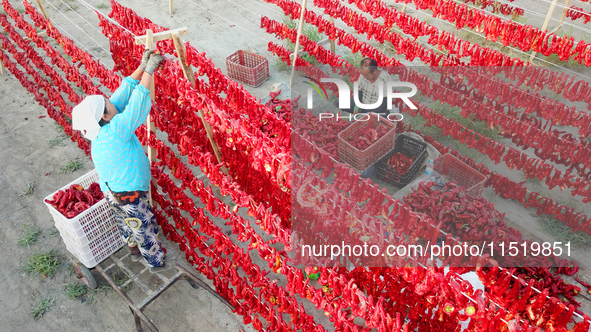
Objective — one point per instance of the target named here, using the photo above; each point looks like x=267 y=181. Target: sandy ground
x=219 y=27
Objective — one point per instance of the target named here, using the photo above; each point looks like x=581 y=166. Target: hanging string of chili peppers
x=525 y=37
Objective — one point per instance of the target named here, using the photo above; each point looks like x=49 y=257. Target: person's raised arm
x=138 y=108
x=121 y=96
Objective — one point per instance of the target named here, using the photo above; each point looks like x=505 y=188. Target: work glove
x=153 y=63
x=145 y=58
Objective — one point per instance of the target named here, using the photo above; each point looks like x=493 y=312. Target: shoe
x=168 y=264
x=135 y=253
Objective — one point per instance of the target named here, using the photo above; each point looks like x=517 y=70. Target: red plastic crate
x=361 y=160
x=248 y=68
x=455 y=170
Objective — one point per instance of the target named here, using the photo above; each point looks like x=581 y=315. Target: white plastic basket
x=94 y=228
x=97 y=250
x=88 y=225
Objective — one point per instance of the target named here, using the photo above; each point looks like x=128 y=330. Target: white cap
x=87 y=114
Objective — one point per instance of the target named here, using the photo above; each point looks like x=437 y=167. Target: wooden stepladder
x=149 y=39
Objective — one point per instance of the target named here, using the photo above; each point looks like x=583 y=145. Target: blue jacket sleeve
x=135 y=113
x=121 y=96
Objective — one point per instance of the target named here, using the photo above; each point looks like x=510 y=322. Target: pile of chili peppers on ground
x=325 y=133
x=75 y=199
x=283 y=108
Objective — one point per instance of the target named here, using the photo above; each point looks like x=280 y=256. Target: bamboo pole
x=150 y=124
x=545 y=25
x=332 y=42
x=190 y=76
x=38 y=2
x=562 y=16
x=170 y=8
x=297 y=45
x=1 y=65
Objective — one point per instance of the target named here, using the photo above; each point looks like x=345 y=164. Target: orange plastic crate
x=361 y=160
x=455 y=170
x=248 y=68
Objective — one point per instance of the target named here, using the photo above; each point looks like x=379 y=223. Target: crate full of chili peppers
x=248 y=68
x=366 y=141
x=402 y=164
x=454 y=169
x=83 y=217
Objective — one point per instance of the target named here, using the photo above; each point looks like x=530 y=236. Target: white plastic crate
x=92 y=235
x=88 y=225
x=97 y=250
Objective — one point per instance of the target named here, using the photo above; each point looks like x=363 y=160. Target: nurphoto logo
x=345 y=92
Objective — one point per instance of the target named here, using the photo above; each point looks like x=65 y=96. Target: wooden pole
x=190 y=76
x=1 y=64
x=403 y=8
x=297 y=45
x=563 y=16
x=38 y=2
x=149 y=124
x=170 y=9
x=545 y=25
x=332 y=43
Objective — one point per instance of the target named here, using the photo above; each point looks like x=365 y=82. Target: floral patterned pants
x=138 y=227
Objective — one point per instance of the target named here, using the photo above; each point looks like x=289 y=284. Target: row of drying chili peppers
x=106 y=77
x=498 y=7
x=52 y=94
x=509 y=33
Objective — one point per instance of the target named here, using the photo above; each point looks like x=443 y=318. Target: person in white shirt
x=370 y=82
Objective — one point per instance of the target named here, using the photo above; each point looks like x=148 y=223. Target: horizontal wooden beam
x=164 y=35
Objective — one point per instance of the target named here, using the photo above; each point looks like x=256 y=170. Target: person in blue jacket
x=119 y=158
